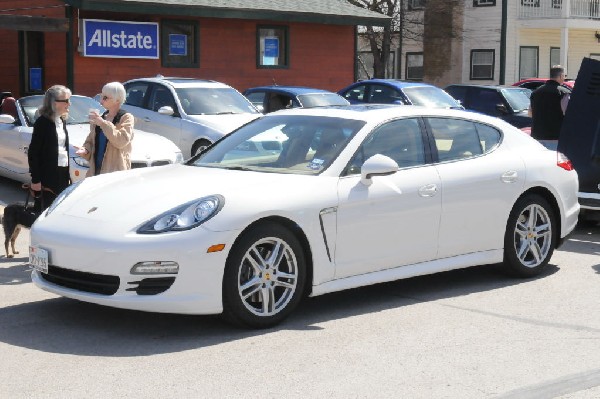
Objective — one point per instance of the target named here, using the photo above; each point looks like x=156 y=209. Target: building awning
x=337 y=12
x=32 y=23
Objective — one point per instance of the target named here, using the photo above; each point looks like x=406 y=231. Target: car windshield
x=78 y=110
x=297 y=144
x=321 y=99
x=518 y=98
x=431 y=97
x=213 y=101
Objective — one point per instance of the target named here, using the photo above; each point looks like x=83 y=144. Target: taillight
x=563 y=161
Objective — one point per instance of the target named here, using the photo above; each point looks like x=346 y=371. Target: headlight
x=61 y=197
x=179 y=157
x=81 y=162
x=184 y=217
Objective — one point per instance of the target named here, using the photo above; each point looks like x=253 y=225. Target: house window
x=528 y=62
x=414 y=66
x=179 y=44
x=416 y=4
x=556 y=3
x=554 y=56
x=483 y=3
x=272 y=47
x=482 y=64
x=530 y=3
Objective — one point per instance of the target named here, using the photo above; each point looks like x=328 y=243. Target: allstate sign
x=118 y=39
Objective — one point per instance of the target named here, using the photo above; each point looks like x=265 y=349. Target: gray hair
x=115 y=90
x=47 y=109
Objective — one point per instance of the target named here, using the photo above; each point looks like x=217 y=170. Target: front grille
x=161 y=162
x=593 y=202
x=152 y=286
x=81 y=281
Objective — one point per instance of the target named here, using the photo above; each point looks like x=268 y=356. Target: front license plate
x=38 y=258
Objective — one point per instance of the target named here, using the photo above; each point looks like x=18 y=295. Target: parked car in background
x=534 y=83
x=192 y=113
x=272 y=98
x=505 y=102
x=394 y=91
x=148 y=149
x=355 y=195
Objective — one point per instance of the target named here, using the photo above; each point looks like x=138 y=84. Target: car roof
x=395 y=82
x=493 y=87
x=295 y=90
x=177 y=82
x=381 y=112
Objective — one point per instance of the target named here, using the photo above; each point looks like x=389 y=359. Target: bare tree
x=409 y=25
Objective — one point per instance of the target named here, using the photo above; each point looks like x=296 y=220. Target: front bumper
x=97 y=270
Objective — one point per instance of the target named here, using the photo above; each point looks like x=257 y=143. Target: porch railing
x=534 y=9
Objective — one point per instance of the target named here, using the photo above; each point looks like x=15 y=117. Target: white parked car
x=192 y=113
x=15 y=135
x=343 y=197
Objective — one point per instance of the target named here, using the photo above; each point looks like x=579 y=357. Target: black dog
x=15 y=217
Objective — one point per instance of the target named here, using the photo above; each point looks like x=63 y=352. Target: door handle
x=428 y=190
x=510 y=176
x=146 y=119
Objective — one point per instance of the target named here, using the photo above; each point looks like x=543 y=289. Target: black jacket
x=43 y=153
x=546 y=110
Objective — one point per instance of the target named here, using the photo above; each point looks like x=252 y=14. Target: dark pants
x=45 y=198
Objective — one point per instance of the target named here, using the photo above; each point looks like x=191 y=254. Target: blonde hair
x=47 y=109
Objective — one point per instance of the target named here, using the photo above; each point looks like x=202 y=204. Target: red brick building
x=85 y=43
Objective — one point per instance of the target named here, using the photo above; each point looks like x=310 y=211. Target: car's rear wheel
x=200 y=146
x=264 y=277
x=530 y=236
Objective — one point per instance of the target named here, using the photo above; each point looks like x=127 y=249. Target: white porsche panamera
x=332 y=199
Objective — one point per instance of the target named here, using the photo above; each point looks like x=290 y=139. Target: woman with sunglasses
x=108 y=146
x=48 y=153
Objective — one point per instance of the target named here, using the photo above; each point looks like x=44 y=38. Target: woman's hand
x=80 y=150
x=36 y=186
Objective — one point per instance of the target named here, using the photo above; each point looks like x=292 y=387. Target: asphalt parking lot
x=471 y=333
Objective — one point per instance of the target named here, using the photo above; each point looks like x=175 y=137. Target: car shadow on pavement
x=72 y=327
x=16 y=274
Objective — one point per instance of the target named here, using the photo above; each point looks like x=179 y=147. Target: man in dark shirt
x=548 y=106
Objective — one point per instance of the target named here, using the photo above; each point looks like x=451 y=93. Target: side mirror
x=166 y=110
x=501 y=108
x=377 y=165
x=7 y=119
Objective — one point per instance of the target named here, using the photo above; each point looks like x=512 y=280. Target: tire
x=199 y=146
x=264 y=277
x=530 y=236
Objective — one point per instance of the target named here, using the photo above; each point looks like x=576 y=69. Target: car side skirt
x=402 y=272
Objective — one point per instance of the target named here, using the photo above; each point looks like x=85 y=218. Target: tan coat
x=118 y=149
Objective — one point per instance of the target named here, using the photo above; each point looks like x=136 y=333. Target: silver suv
x=192 y=113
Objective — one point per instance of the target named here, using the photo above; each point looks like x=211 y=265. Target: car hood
x=145 y=146
x=122 y=201
x=224 y=123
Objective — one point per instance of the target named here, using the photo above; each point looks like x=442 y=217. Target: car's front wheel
x=530 y=236
x=264 y=277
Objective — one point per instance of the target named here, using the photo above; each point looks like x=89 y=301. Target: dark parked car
x=505 y=102
x=394 y=91
x=272 y=98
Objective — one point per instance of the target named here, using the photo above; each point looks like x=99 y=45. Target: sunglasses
x=68 y=101
x=104 y=98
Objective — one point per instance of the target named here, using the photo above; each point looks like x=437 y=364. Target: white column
x=564 y=49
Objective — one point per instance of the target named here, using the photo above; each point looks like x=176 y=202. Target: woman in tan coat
x=108 y=146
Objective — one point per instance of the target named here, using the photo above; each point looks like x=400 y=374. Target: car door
x=480 y=181
x=166 y=125
x=14 y=142
x=136 y=97
x=394 y=221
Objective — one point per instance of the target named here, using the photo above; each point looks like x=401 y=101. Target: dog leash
x=34 y=194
